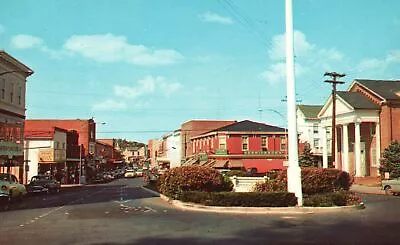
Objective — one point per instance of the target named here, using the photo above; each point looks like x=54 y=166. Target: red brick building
x=244 y=144
x=85 y=131
x=367 y=119
x=193 y=128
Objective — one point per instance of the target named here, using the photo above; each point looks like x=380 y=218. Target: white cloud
x=26 y=42
x=110 y=48
x=309 y=57
x=109 y=105
x=301 y=46
x=147 y=85
x=277 y=72
x=215 y=18
x=377 y=68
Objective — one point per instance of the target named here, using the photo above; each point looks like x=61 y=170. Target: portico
x=357 y=134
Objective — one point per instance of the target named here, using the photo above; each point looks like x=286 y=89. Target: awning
x=202 y=163
x=190 y=161
x=220 y=164
x=235 y=164
x=210 y=163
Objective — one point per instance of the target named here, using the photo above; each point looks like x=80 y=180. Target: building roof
x=357 y=100
x=22 y=68
x=386 y=89
x=310 y=111
x=249 y=126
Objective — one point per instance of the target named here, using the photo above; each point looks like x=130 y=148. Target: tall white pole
x=294 y=171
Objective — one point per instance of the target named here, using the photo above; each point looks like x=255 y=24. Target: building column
x=345 y=148
x=357 y=150
x=336 y=164
x=324 y=149
x=378 y=145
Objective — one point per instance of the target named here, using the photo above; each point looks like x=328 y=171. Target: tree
x=390 y=161
x=307 y=159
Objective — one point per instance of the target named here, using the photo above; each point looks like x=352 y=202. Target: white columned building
x=358 y=140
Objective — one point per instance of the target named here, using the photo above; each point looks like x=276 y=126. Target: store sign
x=46 y=155
x=11 y=149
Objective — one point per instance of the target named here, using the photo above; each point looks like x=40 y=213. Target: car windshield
x=4 y=177
x=40 y=178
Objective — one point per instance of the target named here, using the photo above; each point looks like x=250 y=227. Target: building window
x=63 y=145
x=3 y=89
x=315 y=128
x=316 y=143
x=283 y=143
x=245 y=143
x=264 y=143
x=57 y=145
x=19 y=95
x=12 y=93
x=373 y=129
x=222 y=142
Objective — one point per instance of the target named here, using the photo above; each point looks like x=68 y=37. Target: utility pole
x=334 y=76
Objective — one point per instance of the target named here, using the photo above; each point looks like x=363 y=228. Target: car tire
x=388 y=190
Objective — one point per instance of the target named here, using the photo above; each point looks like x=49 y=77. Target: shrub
x=390 y=161
x=341 y=198
x=243 y=199
x=238 y=173
x=190 y=178
x=271 y=186
x=313 y=181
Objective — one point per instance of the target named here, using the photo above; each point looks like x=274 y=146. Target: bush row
x=313 y=181
x=192 y=178
x=341 y=198
x=243 y=199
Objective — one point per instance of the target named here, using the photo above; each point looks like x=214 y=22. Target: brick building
x=244 y=144
x=193 y=128
x=367 y=119
x=86 y=130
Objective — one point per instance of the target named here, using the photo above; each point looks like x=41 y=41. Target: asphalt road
x=122 y=213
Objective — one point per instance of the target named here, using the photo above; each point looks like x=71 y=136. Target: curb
x=258 y=210
x=152 y=192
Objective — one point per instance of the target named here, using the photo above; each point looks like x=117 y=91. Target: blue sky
x=145 y=67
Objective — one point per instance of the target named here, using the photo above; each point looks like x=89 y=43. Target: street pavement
x=122 y=213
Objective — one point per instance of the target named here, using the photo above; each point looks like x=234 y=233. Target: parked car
x=43 y=184
x=10 y=188
x=391 y=186
x=129 y=173
x=139 y=173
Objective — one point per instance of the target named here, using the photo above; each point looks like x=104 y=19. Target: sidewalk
x=377 y=190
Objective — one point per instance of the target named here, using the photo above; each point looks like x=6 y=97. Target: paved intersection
x=122 y=213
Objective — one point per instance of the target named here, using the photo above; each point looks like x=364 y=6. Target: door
x=363 y=159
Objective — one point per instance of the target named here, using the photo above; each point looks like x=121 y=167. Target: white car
x=130 y=173
x=139 y=173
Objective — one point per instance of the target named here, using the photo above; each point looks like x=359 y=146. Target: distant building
x=310 y=129
x=13 y=75
x=242 y=145
x=86 y=130
x=193 y=128
x=46 y=152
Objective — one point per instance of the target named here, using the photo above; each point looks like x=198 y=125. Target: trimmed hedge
x=313 y=181
x=192 y=178
x=341 y=198
x=241 y=199
x=238 y=173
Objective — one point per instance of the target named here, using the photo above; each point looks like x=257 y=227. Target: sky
x=143 y=67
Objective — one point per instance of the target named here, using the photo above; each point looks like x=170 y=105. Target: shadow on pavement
x=81 y=195
x=288 y=232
